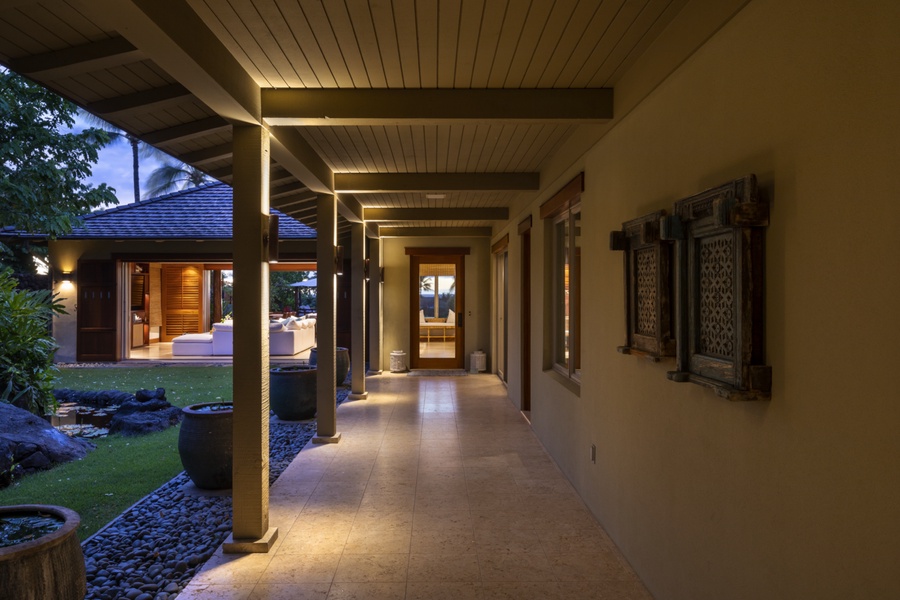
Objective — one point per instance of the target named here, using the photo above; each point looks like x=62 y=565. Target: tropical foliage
x=282 y=295
x=27 y=373
x=42 y=169
x=173 y=176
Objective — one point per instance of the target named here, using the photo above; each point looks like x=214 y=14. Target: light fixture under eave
x=338 y=260
x=435 y=196
x=66 y=281
x=271 y=239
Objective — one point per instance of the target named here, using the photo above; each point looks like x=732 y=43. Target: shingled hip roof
x=200 y=213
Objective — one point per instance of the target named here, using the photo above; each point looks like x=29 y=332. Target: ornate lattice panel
x=719 y=238
x=648 y=306
x=716 y=297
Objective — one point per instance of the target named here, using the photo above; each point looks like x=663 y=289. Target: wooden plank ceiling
x=179 y=73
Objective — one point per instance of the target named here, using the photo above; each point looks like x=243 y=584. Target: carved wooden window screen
x=648 y=306
x=719 y=237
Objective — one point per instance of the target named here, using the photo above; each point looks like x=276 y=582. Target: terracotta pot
x=51 y=566
x=341 y=363
x=292 y=392
x=205 y=444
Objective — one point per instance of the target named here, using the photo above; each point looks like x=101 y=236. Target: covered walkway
x=438 y=489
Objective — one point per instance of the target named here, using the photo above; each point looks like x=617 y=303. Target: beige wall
x=396 y=293
x=797 y=497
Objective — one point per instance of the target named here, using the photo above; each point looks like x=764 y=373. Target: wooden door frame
x=418 y=255
x=525 y=235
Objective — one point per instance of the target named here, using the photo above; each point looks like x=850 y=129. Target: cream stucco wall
x=796 y=497
x=396 y=293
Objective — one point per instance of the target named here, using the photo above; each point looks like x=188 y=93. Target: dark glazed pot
x=341 y=363
x=292 y=392
x=51 y=566
x=205 y=444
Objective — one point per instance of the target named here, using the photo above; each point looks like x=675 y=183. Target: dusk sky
x=114 y=168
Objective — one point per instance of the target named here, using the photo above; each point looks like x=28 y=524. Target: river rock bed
x=152 y=550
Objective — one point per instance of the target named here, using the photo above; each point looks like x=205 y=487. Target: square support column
x=358 y=311
x=250 y=490
x=326 y=332
x=375 y=335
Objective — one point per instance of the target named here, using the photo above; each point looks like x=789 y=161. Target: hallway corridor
x=437 y=490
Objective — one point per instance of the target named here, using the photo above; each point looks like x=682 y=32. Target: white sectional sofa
x=287 y=337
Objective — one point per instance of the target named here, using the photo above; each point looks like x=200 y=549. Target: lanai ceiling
x=453 y=106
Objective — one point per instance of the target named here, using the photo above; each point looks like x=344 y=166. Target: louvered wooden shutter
x=182 y=286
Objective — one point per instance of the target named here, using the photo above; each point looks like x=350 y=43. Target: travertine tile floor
x=437 y=490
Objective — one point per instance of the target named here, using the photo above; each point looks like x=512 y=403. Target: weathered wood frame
x=648 y=287
x=719 y=280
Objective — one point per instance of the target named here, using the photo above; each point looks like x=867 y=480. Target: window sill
x=572 y=385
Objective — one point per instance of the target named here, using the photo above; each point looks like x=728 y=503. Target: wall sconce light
x=338 y=260
x=66 y=281
x=270 y=239
x=366 y=269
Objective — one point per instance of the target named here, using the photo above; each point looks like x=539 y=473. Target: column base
x=327 y=439
x=247 y=546
x=358 y=396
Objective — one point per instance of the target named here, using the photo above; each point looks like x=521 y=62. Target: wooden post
x=374 y=295
x=250 y=528
x=358 y=311
x=326 y=333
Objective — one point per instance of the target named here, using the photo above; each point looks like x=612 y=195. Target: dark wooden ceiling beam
x=186 y=131
x=387 y=215
x=279 y=173
x=383 y=183
x=286 y=189
x=350 y=208
x=387 y=232
x=222 y=173
x=205 y=155
x=85 y=58
x=177 y=39
x=291 y=150
x=142 y=101
x=351 y=107
x=294 y=204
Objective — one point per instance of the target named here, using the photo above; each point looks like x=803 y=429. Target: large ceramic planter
x=341 y=363
x=292 y=392
x=51 y=566
x=205 y=444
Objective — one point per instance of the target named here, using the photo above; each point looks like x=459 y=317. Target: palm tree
x=173 y=176
x=139 y=149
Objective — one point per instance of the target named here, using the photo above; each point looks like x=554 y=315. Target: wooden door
x=96 y=309
x=182 y=307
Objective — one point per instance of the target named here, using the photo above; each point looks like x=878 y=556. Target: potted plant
x=292 y=392
x=40 y=556
x=205 y=444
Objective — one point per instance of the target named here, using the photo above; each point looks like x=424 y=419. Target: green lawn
x=122 y=470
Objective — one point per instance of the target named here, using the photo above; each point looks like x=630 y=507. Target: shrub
x=27 y=373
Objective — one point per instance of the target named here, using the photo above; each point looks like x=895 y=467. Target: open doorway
x=437 y=307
